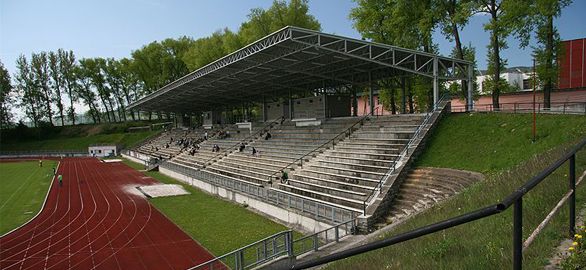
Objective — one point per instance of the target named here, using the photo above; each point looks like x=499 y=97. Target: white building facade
x=103 y=150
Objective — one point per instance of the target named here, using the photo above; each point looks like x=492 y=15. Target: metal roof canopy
x=296 y=59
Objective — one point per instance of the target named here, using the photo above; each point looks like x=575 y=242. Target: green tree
x=549 y=46
x=506 y=17
x=56 y=82
x=263 y=22
x=40 y=73
x=5 y=97
x=30 y=98
x=130 y=82
x=67 y=65
x=83 y=89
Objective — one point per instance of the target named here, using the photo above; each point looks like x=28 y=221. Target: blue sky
x=113 y=28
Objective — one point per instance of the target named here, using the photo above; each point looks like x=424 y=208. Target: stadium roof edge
x=268 y=66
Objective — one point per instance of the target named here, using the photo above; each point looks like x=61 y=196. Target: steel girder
x=295 y=59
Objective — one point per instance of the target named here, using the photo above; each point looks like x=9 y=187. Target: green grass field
x=79 y=143
x=490 y=143
x=219 y=225
x=24 y=187
x=500 y=146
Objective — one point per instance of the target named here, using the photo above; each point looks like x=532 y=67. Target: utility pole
x=534 y=115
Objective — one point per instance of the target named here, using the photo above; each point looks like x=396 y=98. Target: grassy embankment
x=500 y=146
x=77 y=137
x=79 y=143
x=219 y=225
x=24 y=186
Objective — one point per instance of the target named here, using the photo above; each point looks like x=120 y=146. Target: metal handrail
x=346 y=132
x=515 y=108
x=247 y=139
x=286 y=234
x=436 y=107
x=515 y=198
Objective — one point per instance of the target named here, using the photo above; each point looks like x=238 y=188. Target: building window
x=527 y=84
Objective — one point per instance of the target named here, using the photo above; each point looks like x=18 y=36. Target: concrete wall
x=212 y=118
x=309 y=107
x=290 y=218
x=139 y=158
x=277 y=110
x=338 y=106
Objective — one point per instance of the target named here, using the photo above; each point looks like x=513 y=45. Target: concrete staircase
x=347 y=173
x=425 y=187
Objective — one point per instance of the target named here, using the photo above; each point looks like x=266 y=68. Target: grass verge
x=24 y=186
x=492 y=142
x=219 y=225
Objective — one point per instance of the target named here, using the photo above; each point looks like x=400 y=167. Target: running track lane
x=97 y=220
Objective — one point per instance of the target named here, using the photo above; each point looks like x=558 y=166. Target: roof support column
x=435 y=83
x=370 y=93
x=403 y=95
x=470 y=101
x=290 y=105
x=354 y=102
x=264 y=109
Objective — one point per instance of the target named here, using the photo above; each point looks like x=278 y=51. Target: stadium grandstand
x=297 y=142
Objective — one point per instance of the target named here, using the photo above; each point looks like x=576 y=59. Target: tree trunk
x=106 y=108
x=548 y=86
x=48 y=101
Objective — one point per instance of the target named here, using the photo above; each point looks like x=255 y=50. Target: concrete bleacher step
x=424 y=187
x=351 y=165
x=335 y=183
x=329 y=190
x=380 y=153
x=351 y=203
x=357 y=210
x=360 y=159
x=243 y=170
x=237 y=179
x=338 y=177
x=241 y=175
x=251 y=164
x=344 y=172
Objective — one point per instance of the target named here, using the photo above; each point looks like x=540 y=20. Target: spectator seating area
x=348 y=173
x=171 y=143
x=286 y=144
x=225 y=139
x=342 y=173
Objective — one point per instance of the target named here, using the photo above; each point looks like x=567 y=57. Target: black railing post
x=518 y=234
x=572 y=201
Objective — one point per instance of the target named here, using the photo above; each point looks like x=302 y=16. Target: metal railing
x=36 y=153
x=347 y=132
x=316 y=209
x=323 y=238
x=437 y=108
x=254 y=254
x=515 y=199
x=278 y=245
x=526 y=107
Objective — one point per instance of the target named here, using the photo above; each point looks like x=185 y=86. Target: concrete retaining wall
x=290 y=218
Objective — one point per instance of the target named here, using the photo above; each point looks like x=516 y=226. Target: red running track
x=96 y=220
